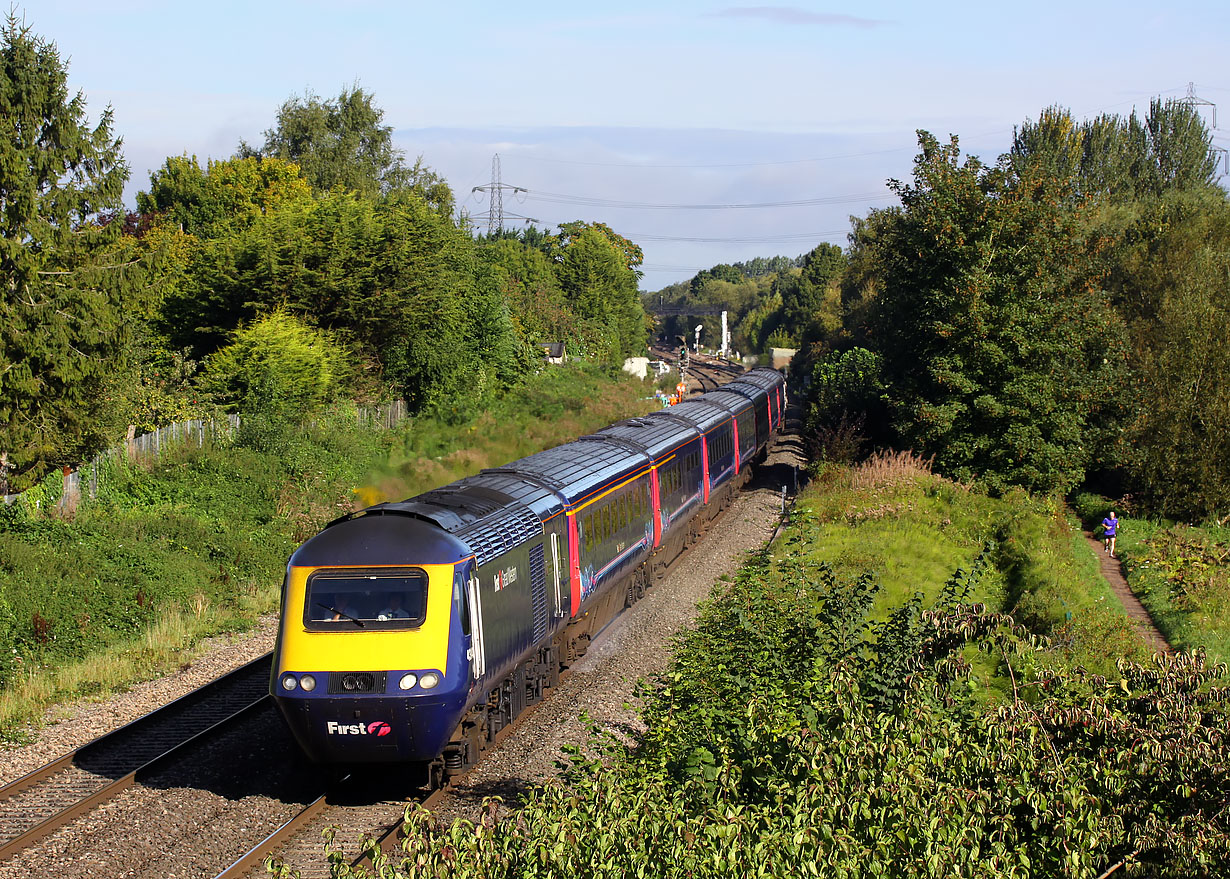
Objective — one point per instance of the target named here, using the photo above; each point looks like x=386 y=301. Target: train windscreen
x=388 y=599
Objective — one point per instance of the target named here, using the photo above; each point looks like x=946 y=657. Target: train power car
x=415 y=631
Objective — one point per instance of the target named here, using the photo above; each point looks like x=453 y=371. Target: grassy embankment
x=912 y=530
x=195 y=544
x=1179 y=572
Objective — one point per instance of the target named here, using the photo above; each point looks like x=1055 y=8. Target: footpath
x=1112 y=570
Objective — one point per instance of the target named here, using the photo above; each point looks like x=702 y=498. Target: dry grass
x=161 y=648
x=889 y=468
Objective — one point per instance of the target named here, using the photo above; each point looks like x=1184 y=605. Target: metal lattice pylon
x=495 y=190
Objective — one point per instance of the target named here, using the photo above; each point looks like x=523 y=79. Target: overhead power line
x=560 y=198
x=766 y=164
x=764 y=239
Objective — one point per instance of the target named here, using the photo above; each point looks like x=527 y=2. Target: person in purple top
x=1109 y=526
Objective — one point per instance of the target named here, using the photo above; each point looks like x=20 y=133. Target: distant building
x=637 y=366
x=779 y=358
x=553 y=352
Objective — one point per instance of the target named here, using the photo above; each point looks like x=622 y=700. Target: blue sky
x=659 y=107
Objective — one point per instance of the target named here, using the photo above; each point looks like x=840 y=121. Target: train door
x=704 y=467
x=477 y=648
x=734 y=432
x=655 y=504
x=556 y=577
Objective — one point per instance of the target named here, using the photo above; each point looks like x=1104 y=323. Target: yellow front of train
x=371 y=663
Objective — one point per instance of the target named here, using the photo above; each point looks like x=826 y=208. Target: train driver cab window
x=342 y=601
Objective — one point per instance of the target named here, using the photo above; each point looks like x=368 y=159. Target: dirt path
x=1112 y=570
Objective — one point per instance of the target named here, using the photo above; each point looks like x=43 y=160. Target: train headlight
x=289 y=682
x=308 y=683
x=429 y=680
x=408 y=680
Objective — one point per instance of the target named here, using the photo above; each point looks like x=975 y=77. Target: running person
x=1109 y=526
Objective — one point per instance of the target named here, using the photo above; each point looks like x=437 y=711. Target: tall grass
x=559 y=406
x=891 y=517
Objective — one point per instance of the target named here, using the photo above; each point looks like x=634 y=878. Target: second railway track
x=47 y=798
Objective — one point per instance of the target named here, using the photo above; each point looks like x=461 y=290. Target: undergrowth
x=799 y=732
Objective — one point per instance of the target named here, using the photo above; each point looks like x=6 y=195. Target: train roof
x=744 y=388
x=656 y=434
x=370 y=538
x=578 y=468
x=763 y=376
x=706 y=414
x=730 y=400
x=539 y=497
x=490 y=521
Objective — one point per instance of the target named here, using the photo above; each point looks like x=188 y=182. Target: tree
x=276 y=364
x=1120 y=158
x=595 y=272
x=629 y=251
x=720 y=272
x=203 y=202
x=397 y=279
x=535 y=300
x=1171 y=286
x=1001 y=350
x=803 y=294
x=62 y=292
x=342 y=142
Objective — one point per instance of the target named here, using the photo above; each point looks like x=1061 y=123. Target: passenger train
x=416 y=631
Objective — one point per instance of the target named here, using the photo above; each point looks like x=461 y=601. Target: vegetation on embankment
x=1178 y=572
x=910 y=529
x=816 y=724
x=196 y=543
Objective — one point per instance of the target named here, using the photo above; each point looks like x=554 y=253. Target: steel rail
x=276 y=840
x=45 y=773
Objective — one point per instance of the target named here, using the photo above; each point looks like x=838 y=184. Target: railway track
x=704 y=373
x=39 y=803
x=361 y=804
x=35 y=806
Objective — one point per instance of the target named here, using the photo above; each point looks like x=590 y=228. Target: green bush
x=276 y=365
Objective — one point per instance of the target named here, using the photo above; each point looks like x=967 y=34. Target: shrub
x=277 y=365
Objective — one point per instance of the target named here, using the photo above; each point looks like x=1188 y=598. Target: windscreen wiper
x=342 y=613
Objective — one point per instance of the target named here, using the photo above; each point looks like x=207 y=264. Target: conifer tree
x=62 y=294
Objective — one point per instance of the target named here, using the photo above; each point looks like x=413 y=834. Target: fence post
x=69 y=494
